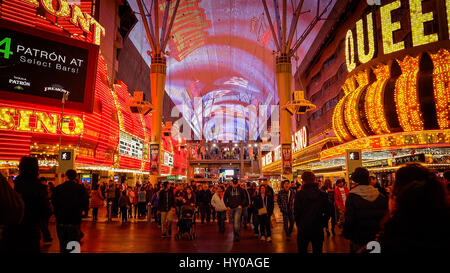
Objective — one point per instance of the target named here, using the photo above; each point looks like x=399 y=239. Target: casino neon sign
x=364 y=45
x=62 y=9
x=39 y=122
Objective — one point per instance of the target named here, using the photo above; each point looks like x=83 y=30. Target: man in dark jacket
x=204 y=202
x=235 y=199
x=364 y=209
x=286 y=205
x=311 y=210
x=26 y=236
x=70 y=200
x=165 y=206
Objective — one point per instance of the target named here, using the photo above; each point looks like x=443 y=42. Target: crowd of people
x=226 y=153
x=410 y=216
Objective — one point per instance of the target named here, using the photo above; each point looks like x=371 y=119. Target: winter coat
x=311 y=208
x=189 y=201
x=218 y=203
x=155 y=200
x=286 y=201
x=268 y=201
x=124 y=201
x=339 y=202
x=166 y=200
x=235 y=197
x=69 y=201
x=204 y=197
x=96 y=199
x=365 y=207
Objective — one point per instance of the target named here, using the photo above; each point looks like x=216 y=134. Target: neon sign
x=73 y=14
x=364 y=49
x=47 y=123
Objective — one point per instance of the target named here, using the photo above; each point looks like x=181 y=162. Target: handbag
x=262 y=211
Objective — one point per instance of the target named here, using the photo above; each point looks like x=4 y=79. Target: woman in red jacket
x=340 y=196
x=96 y=201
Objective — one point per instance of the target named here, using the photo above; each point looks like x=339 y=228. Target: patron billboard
x=33 y=65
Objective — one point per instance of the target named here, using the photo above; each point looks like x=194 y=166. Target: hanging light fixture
x=299 y=105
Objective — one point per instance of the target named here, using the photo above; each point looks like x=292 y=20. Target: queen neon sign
x=62 y=9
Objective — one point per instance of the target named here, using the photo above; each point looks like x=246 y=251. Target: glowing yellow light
x=350 y=51
x=351 y=112
x=374 y=100
x=99 y=30
x=406 y=95
x=63 y=11
x=24 y=120
x=78 y=128
x=79 y=20
x=387 y=28
x=7 y=118
x=338 y=121
x=32 y=2
x=43 y=120
x=417 y=20
x=448 y=16
x=362 y=56
x=441 y=86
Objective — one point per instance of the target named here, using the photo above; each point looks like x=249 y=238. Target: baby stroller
x=186 y=223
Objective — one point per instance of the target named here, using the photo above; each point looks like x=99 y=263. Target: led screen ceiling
x=221 y=62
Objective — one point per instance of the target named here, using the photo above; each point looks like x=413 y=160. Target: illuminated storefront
x=95 y=120
x=396 y=106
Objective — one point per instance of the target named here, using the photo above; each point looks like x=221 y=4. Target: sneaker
x=269 y=239
x=263 y=238
x=164 y=235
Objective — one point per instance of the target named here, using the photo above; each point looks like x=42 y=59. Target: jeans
x=236 y=216
x=221 y=220
x=264 y=224
x=255 y=221
x=205 y=212
x=44 y=228
x=245 y=216
x=66 y=234
x=166 y=221
x=124 y=212
x=304 y=237
x=288 y=222
x=94 y=214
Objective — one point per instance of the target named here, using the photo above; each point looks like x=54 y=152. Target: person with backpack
x=204 y=202
x=364 y=209
x=235 y=200
x=165 y=206
x=70 y=200
x=311 y=210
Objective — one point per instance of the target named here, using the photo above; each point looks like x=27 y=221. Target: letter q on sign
x=74 y=246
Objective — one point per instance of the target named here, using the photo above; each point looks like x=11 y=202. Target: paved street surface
x=139 y=236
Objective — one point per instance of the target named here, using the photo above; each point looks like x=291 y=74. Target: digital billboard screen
x=35 y=66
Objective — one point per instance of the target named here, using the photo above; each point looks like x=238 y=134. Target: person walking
x=340 y=196
x=264 y=205
x=70 y=200
x=110 y=196
x=286 y=204
x=37 y=206
x=328 y=189
x=364 y=209
x=44 y=221
x=218 y=203
x=311 y=212
x=96 y=201
x=124 y=204
x=204 y=202
x=245 y=209
x=165 y=206
x=235 y=199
